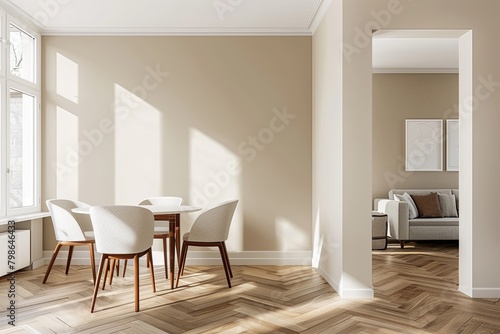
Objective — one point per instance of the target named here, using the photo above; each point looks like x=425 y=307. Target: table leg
x=171 y=252
x=178 y=236
x=175 y=241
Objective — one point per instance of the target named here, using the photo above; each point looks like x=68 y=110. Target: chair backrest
x=66 y=225
x=122 y=229
x=165 y=200
x=214 y=223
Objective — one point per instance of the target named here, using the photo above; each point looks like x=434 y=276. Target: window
x=21 y=149
x=20 y=118
x=22 y=53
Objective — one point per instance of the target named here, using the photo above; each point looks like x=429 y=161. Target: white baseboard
x=346 y=293
x=485 y=292
x=329 y=279
x=38 y=263
x=356 y=293
x=203 y=258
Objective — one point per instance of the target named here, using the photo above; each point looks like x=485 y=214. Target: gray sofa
x=402 y=228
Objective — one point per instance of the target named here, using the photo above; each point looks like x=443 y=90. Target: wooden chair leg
x=225 y=264
x=117 y=267
x=151 y=268
x=124 y=267
x=183 y=258
x=402 y=243
x=171 y=258
x=92 y=260
x=96 y=285
x=182 y=262
x=112 y=270
x=226 y=256
x=54 y=256
x=164 y=240
x=106 y=269
x=70 y=255
x=136 y=282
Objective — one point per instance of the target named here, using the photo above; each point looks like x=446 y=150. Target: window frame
x=9 y=81
x=3 y=39
x=10 y=20
x=36 y=146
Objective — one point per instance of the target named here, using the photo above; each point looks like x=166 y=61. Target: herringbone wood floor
x=415 y=292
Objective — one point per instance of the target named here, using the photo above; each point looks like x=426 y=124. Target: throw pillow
x=448 y=205
x=428 y=205
x=412 y=208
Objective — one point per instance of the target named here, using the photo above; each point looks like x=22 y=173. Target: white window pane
x=22 y=149
x=22 y=54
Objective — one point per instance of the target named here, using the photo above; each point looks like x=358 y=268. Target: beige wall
x=397 y=97
x=205 y=118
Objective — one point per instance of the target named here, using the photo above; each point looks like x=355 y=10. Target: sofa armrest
x=397 y=217
x=376 y=201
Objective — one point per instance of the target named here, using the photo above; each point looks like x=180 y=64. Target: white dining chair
x=123 y=232
x=210 y=229
x=69 y=232
x=162 y=229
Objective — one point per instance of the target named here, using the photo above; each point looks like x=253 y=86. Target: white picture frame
x=424 y=145
x=452 y=145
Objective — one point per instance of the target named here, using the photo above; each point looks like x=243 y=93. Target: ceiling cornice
x=318 y=15
x=177 y=32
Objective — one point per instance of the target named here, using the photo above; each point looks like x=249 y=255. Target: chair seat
x=186 y=237
x=89 y=235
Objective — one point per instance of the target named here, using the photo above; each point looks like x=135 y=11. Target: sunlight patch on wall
x=317 y=240
x=66 y=78
x=138 y=148
x=215 y=177
x=288 y=236
x=67 y=156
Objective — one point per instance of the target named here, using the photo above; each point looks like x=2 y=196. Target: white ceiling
x=393 y=51
x=283 y=17
x=415 y=51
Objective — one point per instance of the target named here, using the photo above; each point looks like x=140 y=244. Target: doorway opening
x=415 y=76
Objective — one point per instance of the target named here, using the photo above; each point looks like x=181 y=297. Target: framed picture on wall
x=452 y=138
x=424 y=144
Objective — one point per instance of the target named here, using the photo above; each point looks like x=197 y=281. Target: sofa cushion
x=448 y=221
x=456 y=193
x=428 y=205
x=412 y=208
x=448 y=205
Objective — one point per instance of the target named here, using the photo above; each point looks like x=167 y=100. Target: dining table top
x=155 y=209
